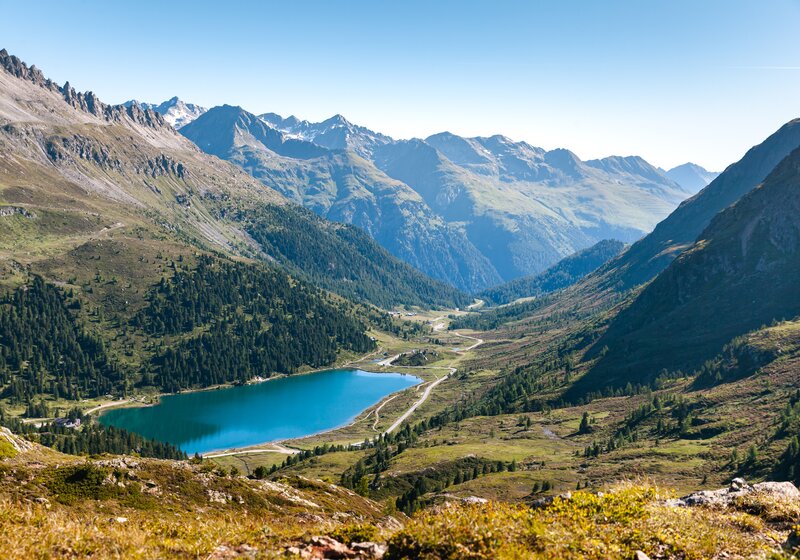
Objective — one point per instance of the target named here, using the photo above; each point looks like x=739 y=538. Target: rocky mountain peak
x=336 y=120
x=87 y=102
x=18 y=68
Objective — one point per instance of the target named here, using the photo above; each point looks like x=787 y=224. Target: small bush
x=7 y=450
x=349 y=534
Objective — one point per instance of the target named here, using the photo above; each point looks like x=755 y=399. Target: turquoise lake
x=288 y=407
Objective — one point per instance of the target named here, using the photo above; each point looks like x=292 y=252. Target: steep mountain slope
x=342 y=186
x=336 y=133
x=743 y=272
x=691 y=176
x=680 y=229
x=175 y=111
x=75 y=171
x=526 y=208
x=227 y=129
x=564 y=273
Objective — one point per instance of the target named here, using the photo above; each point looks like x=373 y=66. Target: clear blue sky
x=677 y=80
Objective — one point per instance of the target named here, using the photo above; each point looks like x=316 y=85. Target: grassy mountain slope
x=565 y=273
x=55 y=505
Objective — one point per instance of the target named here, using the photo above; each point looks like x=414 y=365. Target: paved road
x=429 y=388
x=417 y=404
x=478 y=341
x=388 y=361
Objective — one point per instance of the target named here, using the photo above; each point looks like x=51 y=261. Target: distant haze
x=671 y=82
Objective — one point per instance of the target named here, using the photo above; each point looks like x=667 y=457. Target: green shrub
x=349 y=534
x=7 y=450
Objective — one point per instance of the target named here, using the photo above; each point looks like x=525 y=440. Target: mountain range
x=473 y=212
x=76 y=169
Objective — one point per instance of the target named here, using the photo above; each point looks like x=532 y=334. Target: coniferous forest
x=235 y=321
x=222 y=321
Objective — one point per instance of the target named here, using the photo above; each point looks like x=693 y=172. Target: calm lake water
x=283 y=408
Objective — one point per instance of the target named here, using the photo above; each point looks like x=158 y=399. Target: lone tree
x=585 y=428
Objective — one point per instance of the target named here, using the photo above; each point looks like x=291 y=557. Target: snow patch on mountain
x=175 y=111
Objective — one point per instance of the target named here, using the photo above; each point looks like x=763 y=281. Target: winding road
x=419 y=403
x=429 y=388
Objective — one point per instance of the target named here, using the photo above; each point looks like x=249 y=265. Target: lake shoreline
x=343 y=396
x=134 y=403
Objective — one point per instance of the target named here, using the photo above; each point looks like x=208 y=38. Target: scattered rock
x=19 y=444
x=639 y=555
x=738 y=483
x=331 y=547
x=327 y=548
x=217 y=496
x=547 y=500
x=785 y=490
x=118 y=520
x=474 y=500
x=241 y=551
x=42 y=500
x=738 y=488
x=119 y=463
x=16 y=210
x=370 y=549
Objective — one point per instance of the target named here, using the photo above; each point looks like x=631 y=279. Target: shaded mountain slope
x=565 y=273
x=743 y=272
x=680 y=229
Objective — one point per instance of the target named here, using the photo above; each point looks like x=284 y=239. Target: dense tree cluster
x=90 y=438
x=44 y=350
x=251 y=320
x=345 y=260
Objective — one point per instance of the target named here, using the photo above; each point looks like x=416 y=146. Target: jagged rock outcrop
x=84 y=101
x=6 y=211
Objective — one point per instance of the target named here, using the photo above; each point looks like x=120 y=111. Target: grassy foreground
x=58 y=506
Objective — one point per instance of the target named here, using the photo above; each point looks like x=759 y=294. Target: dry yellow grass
x=586 y=526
